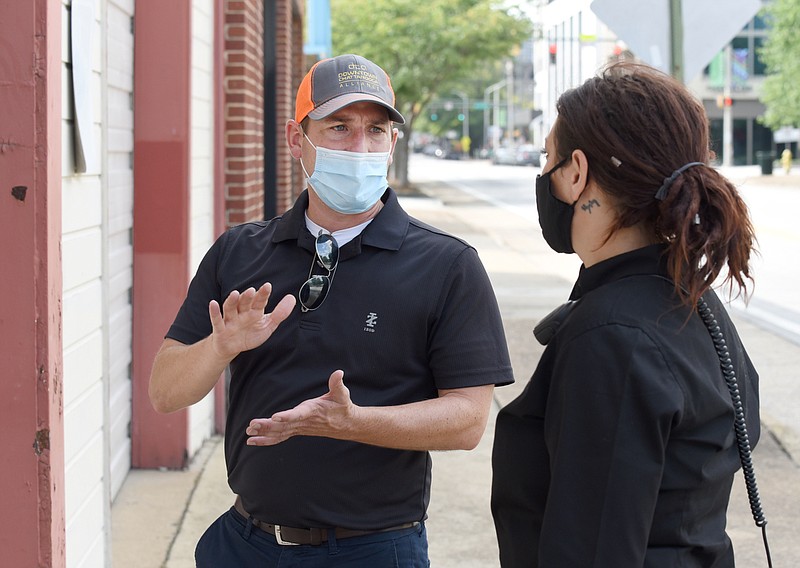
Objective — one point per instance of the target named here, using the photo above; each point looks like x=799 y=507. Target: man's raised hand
x=241 y=324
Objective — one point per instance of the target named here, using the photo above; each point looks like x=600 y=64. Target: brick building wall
x=244 y=136
x=289 y=17
x=244 y=110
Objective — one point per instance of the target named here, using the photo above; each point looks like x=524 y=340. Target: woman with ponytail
x=621 y=450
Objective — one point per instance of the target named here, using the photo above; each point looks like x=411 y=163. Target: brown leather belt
x=291 y=535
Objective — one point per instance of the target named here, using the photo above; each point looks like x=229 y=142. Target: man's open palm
x=241 y=324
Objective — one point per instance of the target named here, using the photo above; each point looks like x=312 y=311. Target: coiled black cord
x=740 y=426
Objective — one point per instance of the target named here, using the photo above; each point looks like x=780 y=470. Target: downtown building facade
x=571 y=44
x=132 y=133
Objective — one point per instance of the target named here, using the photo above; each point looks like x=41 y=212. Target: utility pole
x=465 y=113
x=676 y=39
x=495 y=121
x=727 y=110
x=492 y=89
x=510 y=109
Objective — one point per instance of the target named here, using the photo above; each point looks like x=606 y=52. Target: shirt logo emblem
x=372 y=321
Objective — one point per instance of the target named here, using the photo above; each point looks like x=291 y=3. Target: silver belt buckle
x=280 y=540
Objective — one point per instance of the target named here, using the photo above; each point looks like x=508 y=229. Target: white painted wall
x=118 y=271
x=201 y=228
x=97 y=250
x=84 y=389
x=97 y=217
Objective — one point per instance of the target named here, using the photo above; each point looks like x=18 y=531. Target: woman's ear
x=576 y=174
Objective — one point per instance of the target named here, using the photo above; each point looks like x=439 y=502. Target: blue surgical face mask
x=348 y=182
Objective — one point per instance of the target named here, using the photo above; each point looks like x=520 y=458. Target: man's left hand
x=327 y=415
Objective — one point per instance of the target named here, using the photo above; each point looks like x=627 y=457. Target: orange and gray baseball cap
x=334 y=83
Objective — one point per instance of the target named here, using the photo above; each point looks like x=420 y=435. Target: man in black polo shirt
x=334 y=404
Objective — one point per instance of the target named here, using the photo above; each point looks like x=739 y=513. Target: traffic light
x=552 y=50
x=434 y=117
x=723 y=101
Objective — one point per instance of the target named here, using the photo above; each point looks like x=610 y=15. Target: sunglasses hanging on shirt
x=314 y=290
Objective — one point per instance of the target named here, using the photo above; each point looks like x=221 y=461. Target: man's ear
x=576 y=174
x=294 y=139
x=395 y=133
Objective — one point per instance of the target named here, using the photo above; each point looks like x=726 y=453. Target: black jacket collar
x=646 y=260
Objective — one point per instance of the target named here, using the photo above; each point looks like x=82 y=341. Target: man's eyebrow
x=350 y=121
x=337 y=117
x=378 y=118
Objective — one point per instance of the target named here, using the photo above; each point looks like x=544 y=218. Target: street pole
x=489 y=90
x=727 y=110
x=510 y=109
x=485 y=119
x=466 y=116
x=496 y=129
x=465 y=111
x=676 y=39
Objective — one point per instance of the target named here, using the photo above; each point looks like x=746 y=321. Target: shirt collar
x=387 y=230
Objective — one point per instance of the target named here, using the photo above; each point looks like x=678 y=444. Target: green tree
x=427 y=47
x=781 y=53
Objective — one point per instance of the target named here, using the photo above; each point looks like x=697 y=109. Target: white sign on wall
x=82 y=24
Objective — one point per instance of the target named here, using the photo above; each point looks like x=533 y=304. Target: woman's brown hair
x=637 y=126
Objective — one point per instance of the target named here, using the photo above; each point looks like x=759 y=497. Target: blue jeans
x=232 y=541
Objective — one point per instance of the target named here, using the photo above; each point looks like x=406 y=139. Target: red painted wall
x=162 y=65
x=161 y=170
x=31 y=403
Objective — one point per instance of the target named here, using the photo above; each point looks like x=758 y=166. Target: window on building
x=747 y=60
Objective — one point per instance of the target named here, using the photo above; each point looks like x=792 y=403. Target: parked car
x=432 y=150
x=449 y=153
x=528 y=155
x=443 y=151
x=522 y=155
x=506 y=156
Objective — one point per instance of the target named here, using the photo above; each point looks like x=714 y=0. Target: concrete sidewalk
x=159 y=515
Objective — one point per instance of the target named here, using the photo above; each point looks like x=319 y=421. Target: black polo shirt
x=621 y=450
x=410 y=310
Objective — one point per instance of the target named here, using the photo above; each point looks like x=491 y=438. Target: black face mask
x=555 y=216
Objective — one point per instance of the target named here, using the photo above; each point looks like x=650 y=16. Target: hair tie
x=662 y=191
